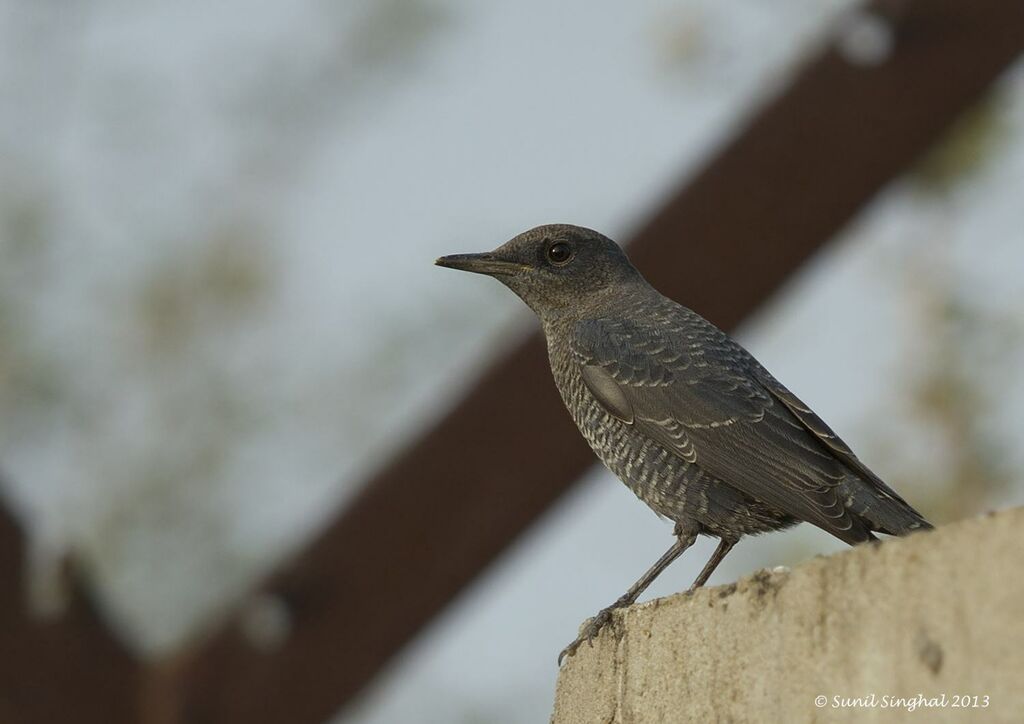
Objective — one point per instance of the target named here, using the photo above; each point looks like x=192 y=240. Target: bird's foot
x=590 y=631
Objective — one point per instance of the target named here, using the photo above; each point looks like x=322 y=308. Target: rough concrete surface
x=939 y=613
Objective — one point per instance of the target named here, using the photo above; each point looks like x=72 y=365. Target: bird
x=687 y=418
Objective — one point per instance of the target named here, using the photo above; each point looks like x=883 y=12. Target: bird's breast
x=657 y=476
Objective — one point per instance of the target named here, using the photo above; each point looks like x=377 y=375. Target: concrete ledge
x=937 y=613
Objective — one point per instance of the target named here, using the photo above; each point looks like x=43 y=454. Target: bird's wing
x=816 y=425
x=685 y=384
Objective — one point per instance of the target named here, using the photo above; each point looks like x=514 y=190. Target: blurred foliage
x=32 y=385
x=966 y=346
x=948 y=458
x=292 y=100
x=169 y=504
x=954 y=397
x=682 y=39
x=392 y=32
x=151 y=400
x=221 y=281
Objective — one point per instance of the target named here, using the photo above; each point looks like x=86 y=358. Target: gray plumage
x=680 y=412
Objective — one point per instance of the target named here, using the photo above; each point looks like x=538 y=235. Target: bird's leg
x=684 y=539
x=724 y=546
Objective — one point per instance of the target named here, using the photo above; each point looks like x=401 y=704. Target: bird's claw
x=589 y=632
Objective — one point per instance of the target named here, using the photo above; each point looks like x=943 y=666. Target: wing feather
x=694 y=392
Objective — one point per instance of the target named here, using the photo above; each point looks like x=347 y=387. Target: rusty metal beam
x=58 y=669
x=437 y=514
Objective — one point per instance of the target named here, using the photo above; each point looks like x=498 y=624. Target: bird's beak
x=480 y=264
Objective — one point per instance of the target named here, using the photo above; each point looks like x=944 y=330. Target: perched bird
x=684 y=415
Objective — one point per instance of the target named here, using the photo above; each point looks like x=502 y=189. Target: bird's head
x=557 y=269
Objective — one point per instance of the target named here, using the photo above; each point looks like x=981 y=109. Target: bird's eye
x=559 y=253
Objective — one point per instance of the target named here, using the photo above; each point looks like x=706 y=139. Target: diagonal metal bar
x=433 y=518
x=56 y=667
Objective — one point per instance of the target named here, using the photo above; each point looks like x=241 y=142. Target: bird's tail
x=881 y=508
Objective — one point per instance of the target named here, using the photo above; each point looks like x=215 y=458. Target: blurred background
x=219 y=315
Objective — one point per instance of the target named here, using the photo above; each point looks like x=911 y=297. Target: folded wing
x=693 y=390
